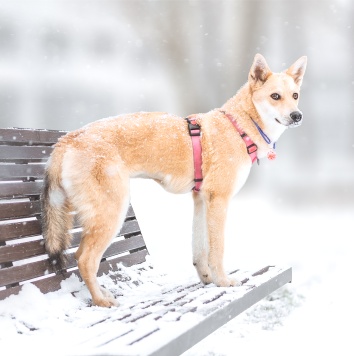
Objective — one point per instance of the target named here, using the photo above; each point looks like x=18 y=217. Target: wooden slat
x=20 y=171
x=24 y=153
x=49 y=284
x=119 y=247
x=21 y=209
x=13 y=230
x=127 y=260
x=52 y=282
x=116 y=249
x=21 y=251
x=130 y=227
x=20 y=229
x=25 y=272
x=20 y=189
x=32 y=270
x=130 y=212
x=33 y=136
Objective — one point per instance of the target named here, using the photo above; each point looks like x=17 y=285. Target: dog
x=89 y=170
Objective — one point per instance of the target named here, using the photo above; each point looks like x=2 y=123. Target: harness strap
x=195 y=132
x=250 y=145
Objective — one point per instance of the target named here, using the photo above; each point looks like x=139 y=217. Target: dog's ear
x=259 y=72
x=297 y=70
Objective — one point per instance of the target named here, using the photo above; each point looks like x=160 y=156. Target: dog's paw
x=107 y=300
x=205 y=278
x=204 y=273
x=227 y=282
x=106 y=293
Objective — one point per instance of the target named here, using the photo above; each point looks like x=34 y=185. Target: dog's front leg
x=216 y=212
x=200 y=239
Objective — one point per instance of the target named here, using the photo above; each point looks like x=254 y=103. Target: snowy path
x=314 y=314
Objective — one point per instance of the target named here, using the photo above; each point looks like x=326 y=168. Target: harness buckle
x=194 y=129
x=250 y=148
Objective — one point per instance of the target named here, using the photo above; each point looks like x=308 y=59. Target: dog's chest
x=241 y=177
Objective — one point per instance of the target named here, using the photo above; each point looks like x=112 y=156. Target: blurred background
x=66 y=63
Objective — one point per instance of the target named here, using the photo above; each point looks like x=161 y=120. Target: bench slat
x=20 y=171
x=21 y=209
x=51 y=283
x=20 y=189
x=18 y=136
x=130 y=227
x=127 y=260
x=24 y=153
x=36 y=269
x=25 y=272
x=130 y=212
x=48 y=284
x=21 y=251
x=20 y=229
x=18 y=252
x=118 y=247
x=13 y=230
x=14 y=210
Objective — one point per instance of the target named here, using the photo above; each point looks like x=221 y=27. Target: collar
x=271 y=155
x=263 y=134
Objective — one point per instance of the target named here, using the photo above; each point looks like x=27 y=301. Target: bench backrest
x=23 y=154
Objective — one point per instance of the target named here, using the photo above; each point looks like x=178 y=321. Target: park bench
x=23 y=153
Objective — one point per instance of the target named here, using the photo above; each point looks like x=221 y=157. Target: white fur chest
x=241 y=177
x=263 y=150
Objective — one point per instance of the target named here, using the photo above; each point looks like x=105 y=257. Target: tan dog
x=90 y=168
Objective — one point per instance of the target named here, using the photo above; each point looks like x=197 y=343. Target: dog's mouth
x=290 y=125
x=295 y=124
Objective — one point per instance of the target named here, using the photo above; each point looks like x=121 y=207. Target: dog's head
x=276 y=95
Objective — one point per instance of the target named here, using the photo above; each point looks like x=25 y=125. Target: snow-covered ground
x=312 y=315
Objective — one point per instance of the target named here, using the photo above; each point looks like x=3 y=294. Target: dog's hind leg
x=216 y=212
x=102 y=217
x=200 y=240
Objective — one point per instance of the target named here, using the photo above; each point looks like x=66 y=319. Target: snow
x=312 y=315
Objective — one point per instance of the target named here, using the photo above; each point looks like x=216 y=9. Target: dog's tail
x=56 y=220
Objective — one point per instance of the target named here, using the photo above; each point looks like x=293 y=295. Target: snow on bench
x=171 y=319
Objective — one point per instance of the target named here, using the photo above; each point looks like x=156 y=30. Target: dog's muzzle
x=296 y=117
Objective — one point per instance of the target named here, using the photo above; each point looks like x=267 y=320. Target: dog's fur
x=90 y=168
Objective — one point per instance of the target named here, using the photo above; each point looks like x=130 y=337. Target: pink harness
x=195 y=132
x=250 y=145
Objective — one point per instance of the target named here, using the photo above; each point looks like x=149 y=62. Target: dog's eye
x=295 y=96
x=275 y=96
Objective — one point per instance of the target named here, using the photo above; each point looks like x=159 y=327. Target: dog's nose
x=296 y=116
